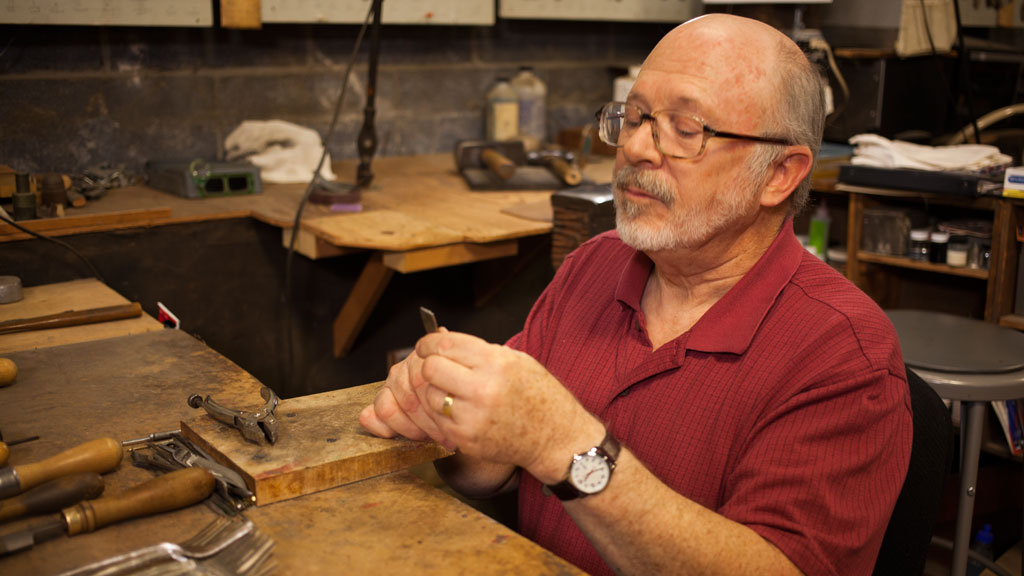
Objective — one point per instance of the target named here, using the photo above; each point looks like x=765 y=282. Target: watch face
x=589 y=473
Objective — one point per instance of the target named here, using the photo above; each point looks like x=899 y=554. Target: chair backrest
x=905 y=545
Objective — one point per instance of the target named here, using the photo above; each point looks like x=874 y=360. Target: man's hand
x=506 y=407
x=398 y=408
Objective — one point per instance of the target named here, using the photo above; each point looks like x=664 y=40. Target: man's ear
x=787 y=175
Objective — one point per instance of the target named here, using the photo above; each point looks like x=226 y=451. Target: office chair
x=907 y=537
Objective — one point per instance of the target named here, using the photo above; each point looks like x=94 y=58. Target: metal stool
x=971 y=361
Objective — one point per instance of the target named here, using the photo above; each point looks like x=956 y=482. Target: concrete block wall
x=75 y=97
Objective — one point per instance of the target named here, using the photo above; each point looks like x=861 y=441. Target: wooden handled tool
x=561 y=163
x=8 y=372
x=5 y=453
x=569 y=174
x=52 y=496
x=100 y=456
x=502 y=166
x=72 y=318
x=171 y=491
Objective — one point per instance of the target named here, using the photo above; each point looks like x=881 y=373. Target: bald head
x=744 y=76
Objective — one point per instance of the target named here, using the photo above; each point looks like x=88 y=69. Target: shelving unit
x=996 y=283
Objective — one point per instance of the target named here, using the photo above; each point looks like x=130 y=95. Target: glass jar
x=919 y=244
x=956 y=253
x=938 y=242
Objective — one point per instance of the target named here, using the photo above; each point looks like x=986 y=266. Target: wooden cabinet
x=899 y=282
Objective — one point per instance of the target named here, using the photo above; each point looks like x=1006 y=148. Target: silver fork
x=210 y=541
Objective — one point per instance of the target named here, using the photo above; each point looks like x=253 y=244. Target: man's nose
x=640 y=147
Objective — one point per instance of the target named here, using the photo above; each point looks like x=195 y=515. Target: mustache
x=647 y=181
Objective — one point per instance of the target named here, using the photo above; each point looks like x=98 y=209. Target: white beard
x=684 y=228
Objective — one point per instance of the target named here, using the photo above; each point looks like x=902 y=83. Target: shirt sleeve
x=821 y=472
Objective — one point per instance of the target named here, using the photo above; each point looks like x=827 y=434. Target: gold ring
x=446 y=408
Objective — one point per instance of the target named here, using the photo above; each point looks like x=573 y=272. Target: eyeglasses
x=676 y=135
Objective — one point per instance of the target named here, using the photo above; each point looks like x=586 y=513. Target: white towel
x=286 y=153
x=875 y=150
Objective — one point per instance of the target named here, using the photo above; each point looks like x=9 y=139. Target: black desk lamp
x=325 y=192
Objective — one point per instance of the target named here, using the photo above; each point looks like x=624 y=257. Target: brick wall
x=74 y=97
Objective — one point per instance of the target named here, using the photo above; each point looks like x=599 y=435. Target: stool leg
x=971 y=421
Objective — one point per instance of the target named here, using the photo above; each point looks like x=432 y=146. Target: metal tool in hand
x=429 y=320
x=254 y=426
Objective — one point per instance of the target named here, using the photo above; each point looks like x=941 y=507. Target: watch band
x=609 y=449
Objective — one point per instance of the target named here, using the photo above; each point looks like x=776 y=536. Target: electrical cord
x=10 y=221
x=309 y=190
x=937 y=59
x=821 y=44
x=965 y=69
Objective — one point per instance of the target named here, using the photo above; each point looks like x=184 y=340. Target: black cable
x=309 y=191
x=939 y=64
x=965 y=70
x=8 y=220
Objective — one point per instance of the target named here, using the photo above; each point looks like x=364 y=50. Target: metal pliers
x=254 y=426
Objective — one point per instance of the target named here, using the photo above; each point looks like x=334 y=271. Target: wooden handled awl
x=100 y=456
x=52 y=496
x=171 y=491
x=72 y=318
x=8 y=372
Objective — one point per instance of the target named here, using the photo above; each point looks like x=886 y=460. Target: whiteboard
x=618 y=10
x=108 y=12
x=462 y=12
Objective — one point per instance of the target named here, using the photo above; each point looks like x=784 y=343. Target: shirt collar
x=730 y=324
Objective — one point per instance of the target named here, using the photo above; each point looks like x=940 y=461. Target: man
x=758 y=399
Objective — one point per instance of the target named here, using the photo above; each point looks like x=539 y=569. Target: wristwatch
x=589 y=472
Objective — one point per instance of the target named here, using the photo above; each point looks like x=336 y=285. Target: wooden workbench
x=132 y=386
x=418 y=214
x=49 y=299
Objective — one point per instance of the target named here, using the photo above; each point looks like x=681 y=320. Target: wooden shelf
x=1015 y=321
x=875 y=274
x=901 y=262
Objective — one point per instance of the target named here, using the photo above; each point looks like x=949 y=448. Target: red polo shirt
x=785 y=408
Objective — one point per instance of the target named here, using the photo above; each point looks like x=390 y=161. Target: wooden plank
x=312 y=247
x=320 y=446
x=1015 y=321
x=77 y=224
x=414 y=202
x=360 y=302
x=854 y=236
x=74 y=295
x=243 y=14
x=904 y=262
x=1004 y=246
x=184 y=210
x=451 y=255
x=383 y=229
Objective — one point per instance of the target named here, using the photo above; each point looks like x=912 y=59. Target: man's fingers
x=448 y=377
x=464 y=349
x=368 y=419
x=390 y=414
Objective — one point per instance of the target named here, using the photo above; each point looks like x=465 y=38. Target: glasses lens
x=610 y=124
x=680 y=135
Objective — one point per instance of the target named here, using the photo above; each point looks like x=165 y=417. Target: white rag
x=286 y=153
x=875 y=150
